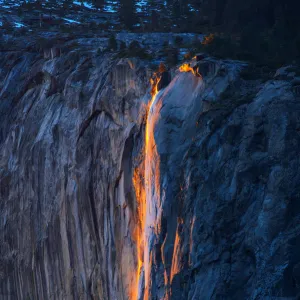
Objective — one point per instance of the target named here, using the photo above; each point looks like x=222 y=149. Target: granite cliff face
x=229 y=202
x=107 y=192
x=68 y=130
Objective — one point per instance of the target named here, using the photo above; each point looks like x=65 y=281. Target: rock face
x=230 y=192
x=225 y=224
x=68 y=129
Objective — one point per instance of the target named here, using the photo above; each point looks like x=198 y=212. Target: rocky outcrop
x=229 y=181
x=72 y=136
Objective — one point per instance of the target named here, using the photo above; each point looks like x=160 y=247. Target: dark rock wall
x=71 y=133
x=230 y=182
x=67 y=206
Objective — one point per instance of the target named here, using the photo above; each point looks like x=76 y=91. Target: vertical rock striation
x=101 y=198
x=68 y=131
x=229 y=187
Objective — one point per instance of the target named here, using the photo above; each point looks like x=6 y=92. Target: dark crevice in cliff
x=85 y=124
x=127 y=169
x=110 y=245
x=93 y=207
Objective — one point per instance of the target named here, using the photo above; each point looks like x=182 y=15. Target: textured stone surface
x=68 y=126
x=71 y=134
x=230 y=181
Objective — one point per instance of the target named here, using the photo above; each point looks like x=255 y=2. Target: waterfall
x=152 y=185
x=148 y=192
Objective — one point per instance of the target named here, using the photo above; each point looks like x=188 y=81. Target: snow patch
x=111 y=6
x=85 y=4
x=19 y=25
x=140 y=5
x=71 y=21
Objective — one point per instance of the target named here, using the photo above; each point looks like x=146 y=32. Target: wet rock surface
x=71 y=135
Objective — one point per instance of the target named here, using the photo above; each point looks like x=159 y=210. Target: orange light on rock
x=148 y=170
x=185 y=68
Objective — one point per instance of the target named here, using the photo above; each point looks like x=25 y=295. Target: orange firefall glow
x=146 y=193
x=138 y=183
x=185 y=68
x=150 y=146
x=152 y=180
x=142 y=183
x=175 y=269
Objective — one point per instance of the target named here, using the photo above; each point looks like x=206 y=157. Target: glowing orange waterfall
x=152 y=183
x=146 y=180
x=148 y=195
x=139 y=229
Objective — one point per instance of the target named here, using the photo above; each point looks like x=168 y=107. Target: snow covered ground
x=77 y=13
x=110 y=5
x=84 y=3
x=140 y=6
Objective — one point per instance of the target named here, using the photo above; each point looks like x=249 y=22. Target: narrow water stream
x=148 y=196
